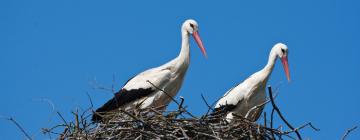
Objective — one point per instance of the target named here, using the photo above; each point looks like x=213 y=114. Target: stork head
x=282 y=52
x=191 y=27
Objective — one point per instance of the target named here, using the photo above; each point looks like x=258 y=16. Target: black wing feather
x=121 y=98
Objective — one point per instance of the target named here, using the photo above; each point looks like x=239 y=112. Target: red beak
x=199 y=42
x=285 y=63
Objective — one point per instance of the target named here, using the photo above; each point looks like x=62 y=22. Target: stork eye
x=192 y=25
x=282 y=50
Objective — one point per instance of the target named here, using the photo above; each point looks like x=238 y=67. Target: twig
x=313 y=127
x=301 y=127
x=180 y=107
x=184 y=133
x=281 y=116
x=11 y=119
x=259 y=105
x=348 y=132
x=132 y=116
x=62 y=118
x=208 y=135
x=207 y=104
x=171 y=98
x=77 y=124
x=272 y=122
x=63 y=135
x=91 y=102
x=181 y=103
x=265 y=119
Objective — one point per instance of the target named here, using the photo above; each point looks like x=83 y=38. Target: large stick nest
x=149 y=123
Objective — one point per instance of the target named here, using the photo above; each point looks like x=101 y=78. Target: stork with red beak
x=143 y=90
x=244 y=97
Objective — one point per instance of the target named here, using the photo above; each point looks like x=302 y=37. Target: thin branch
x=184 y=133
x=11 y=119
x=181 y=103
x=132 y=116
x=207 y=104
x=62 y=118
x=281 y=116
x=208 y=135
x=272 y=122
x=91 y=102
x=348 y=132
x=260 y=105
x=63 y=135
x=265 y=119
x=171 y=98
x=301 y=127
x=77 y=123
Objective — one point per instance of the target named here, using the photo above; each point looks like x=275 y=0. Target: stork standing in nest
x=145 y=89
x=250 y=93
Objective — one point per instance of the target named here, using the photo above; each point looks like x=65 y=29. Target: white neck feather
x=181 y=62
x=185 y=45
x=266 y=71
x=271 y=61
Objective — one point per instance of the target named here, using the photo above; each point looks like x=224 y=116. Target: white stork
x=251 y=92
x=143 y=89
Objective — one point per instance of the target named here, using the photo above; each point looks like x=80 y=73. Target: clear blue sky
x=54 y=49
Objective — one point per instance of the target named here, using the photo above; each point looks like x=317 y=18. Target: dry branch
x=348 y=132
x=11 y=119
x=281 y=116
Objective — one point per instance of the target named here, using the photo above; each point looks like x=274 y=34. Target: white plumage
x=251 y=92
x=142 y=90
